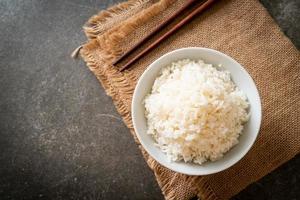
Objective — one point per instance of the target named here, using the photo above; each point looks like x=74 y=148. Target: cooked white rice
x=194 y=112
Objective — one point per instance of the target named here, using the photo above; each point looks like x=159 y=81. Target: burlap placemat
x=240 y=28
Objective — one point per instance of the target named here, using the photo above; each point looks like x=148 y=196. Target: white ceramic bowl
x=239 y=76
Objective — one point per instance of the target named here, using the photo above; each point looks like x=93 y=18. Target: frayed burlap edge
x=111 y=39
x=108 y=42
x=103 y=21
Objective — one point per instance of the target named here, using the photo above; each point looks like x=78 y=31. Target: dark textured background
x=60 y=135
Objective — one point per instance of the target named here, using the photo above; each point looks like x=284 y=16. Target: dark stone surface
x=60 y=135
x=287 y=15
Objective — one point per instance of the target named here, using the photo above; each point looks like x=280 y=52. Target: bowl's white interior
x=241 y=78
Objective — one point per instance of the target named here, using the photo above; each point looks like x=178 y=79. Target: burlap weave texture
x=240 y=28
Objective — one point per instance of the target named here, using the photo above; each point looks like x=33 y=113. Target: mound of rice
x=194 y=112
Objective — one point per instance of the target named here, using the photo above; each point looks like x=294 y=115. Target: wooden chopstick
x=185 y=20
x=157 y=29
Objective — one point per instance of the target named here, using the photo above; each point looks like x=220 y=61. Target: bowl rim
x=226 y=165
